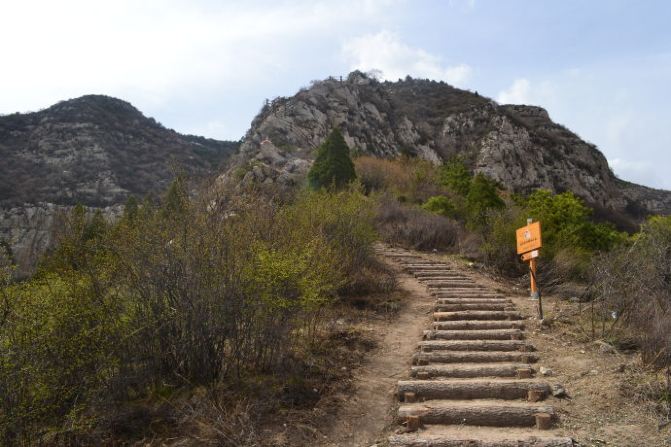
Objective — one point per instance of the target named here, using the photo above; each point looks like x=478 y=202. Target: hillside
x=94 y=150
x=518 y=146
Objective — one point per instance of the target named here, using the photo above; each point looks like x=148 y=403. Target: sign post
x=528 y=244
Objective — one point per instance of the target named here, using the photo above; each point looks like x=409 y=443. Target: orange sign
x=529 y=238
x=530 y=255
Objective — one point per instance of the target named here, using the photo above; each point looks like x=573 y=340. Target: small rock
x=545 y=371
x=558 y=391
x=582 y=351
x=620 y=368
x=605 y=348
x=344 y=368
x=594 y=372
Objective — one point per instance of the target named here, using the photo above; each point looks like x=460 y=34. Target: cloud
x=384 y=51
x=518 y=93
x=636 y=170
x=148 y=51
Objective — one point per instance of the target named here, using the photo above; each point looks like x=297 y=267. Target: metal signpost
x=528 y=245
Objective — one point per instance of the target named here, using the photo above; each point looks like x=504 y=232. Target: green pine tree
x=455 y=175
x=482 y=196
x=333 y=165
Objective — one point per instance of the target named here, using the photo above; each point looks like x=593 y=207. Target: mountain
x=95 y=150
x=517 y=145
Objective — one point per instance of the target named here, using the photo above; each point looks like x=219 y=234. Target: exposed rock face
x=94 y=150
x=519 y=146
x=28 y=229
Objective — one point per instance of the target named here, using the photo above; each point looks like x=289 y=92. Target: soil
x=366 y=415
x=596 y=413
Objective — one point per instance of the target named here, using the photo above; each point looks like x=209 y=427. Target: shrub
x=333 y=165
x=409 y=179
x=566 y=223
x=482 y=197
x=455 y=176
x=412 y=227
x=58 y=349
x=631 y=290
x=173 y=295
x=498 y=245
x=441 y=205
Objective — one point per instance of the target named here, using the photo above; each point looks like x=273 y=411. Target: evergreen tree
x=176 y=199
x=333 y=165
x=455 y=175
x=482 y=196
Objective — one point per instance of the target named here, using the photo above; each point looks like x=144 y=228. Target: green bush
x=481 y=198
x=566 y=223
x=171 y=296
x=441 y=205
x=58 y=353
x=456 y=177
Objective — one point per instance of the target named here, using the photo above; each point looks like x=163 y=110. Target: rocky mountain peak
x=516 y=145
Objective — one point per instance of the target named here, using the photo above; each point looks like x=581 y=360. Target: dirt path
x=364 y=417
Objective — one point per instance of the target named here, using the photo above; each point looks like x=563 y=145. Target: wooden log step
x=424 y=358
x=477 y=315
x=475 y=345
x=470 y=293
x=440 y=277
x=427 y=264
x=483 y=413
x=478 y=325
x=476 y=292
x=475 y=334
x=454 y=307
x=471 y=389
x=451 y=300
x=451 y=436
x=468 y=371
x=439 y=274
x=450 y=282
x=427 y=270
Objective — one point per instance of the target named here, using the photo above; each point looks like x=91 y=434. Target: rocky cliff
x=94 y=150
x=519 y=146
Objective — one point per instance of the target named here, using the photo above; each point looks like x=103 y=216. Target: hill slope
x=94 y=150
x=519 y=146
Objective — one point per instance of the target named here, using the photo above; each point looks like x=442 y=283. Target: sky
x=601 y=67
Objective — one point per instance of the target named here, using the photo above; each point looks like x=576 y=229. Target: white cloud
x=518 y=93
x=523 y=91
x=149 y=51
x=385 y=52
x=636 y=170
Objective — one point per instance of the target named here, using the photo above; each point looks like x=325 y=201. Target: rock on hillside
x=519 y=146
x=94 y=150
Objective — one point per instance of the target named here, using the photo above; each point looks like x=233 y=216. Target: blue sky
x=602 y=68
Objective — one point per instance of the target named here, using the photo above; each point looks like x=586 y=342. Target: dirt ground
x=364 y=417
x=596 y=413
